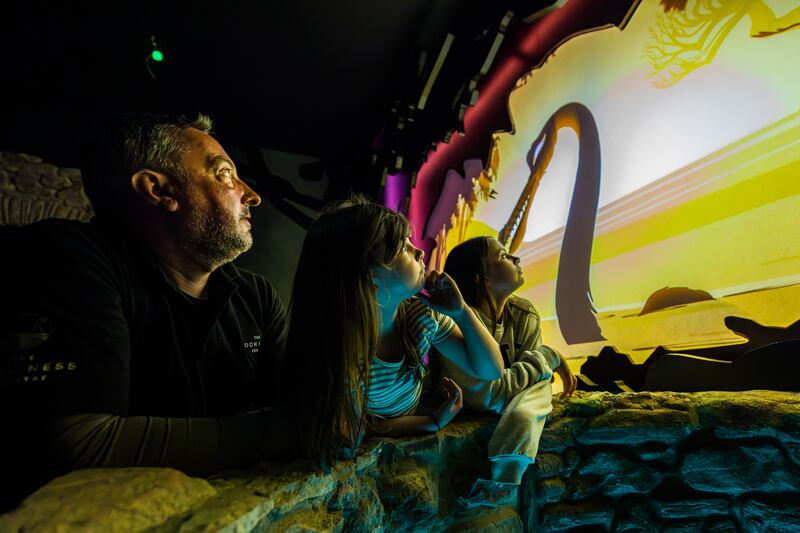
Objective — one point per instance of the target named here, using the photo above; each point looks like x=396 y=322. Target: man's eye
x=226 y=172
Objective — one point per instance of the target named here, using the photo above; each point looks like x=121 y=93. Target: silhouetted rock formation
x=610 y=366
x=774 y=366
x=770 y=359
x=671 y=297
x=756 y=335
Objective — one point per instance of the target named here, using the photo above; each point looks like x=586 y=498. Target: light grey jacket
x=528 y=361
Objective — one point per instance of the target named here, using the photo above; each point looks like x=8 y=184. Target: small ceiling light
x=155 y=55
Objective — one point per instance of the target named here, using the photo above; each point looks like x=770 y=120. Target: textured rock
x=572 y=459
x=550 y=491
x=563 y=516
x=500 y=520
x=725 y=525
x=615 y=475
x=750 y=411
x=686 y=509
x=665 y=466
x=633 y=426
x=407 y=488
x=128 y=499
x=635 y=516
x=656 y=451
x=684 y=527
x=772 y=516
x=31 y=190
x=689 y=455
x=739 y=470
x=548 y=465
x=559 y=434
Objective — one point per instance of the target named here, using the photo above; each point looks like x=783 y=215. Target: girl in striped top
x=364 y=313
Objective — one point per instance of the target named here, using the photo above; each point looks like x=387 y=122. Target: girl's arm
x=524 y=372
x=531 y=340
x=404 y=426
x=470 y=346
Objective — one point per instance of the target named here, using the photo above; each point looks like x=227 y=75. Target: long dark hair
x=466 y=264
x=334 y=324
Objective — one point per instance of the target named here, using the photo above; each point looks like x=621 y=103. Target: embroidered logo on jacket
x=254 y=344
x=30 y=331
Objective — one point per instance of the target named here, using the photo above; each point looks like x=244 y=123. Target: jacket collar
x=143 y=260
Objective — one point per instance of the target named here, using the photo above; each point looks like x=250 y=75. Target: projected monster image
x=650 y=182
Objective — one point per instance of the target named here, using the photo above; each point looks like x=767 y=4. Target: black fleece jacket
x=104 y=362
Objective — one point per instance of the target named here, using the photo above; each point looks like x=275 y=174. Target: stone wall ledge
x=622 y=462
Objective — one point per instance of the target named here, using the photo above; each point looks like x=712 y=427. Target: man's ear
x=155 y=188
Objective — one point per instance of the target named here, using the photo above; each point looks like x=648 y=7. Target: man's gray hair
x=116 y=149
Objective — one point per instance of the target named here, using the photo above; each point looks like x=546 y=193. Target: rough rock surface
x=710 y=461
x=713 y=461
x=32 y=190
x=109 y=500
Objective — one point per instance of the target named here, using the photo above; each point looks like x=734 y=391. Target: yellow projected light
x=679 y=137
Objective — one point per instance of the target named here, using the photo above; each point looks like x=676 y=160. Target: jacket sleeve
x=529 y=335
x=533 y=362
x=197 y=446
x=530 y=367
x=65 y=338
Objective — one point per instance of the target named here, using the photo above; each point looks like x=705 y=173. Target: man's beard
x=215 y=237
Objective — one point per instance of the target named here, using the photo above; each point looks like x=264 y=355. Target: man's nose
x=250 y=197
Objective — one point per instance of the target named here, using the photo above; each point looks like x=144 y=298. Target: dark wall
x=279 y=222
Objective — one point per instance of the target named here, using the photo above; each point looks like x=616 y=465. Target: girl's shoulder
x=521 y=306
x=415 y=308
x=522 y=318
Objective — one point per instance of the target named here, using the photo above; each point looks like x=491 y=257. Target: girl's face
x=503 y=273
x=404 y=276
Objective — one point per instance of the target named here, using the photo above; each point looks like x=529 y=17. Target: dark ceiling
x=322 y=78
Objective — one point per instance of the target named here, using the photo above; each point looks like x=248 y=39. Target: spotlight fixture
x=155 y=55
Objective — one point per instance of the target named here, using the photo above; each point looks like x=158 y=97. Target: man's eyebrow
x=216 y=159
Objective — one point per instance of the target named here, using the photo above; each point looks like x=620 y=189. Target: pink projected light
x=396 y=190
x=531 y=46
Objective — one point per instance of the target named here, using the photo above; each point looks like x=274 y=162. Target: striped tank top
x=393 y=391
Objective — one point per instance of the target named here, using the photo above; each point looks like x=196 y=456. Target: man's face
x=215 y=203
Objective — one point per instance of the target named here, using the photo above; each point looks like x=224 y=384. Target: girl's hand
x=452 y=405
x=567 y=377
x=443 y=294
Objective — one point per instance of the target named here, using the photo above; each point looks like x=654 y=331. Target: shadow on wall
x=292 y=189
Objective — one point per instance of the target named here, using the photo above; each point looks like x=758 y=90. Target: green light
x=157 y=55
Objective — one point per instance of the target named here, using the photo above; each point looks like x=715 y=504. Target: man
x=132 y=340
